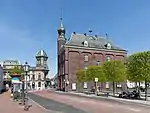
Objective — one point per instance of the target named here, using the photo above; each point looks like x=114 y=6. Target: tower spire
x=61 y=28
x=61 y=23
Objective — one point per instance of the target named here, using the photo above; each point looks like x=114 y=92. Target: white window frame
x=86 y=58
x=85 y=43
x=108 y=58
x=108 y=46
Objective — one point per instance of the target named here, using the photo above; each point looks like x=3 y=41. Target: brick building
x=81 y=51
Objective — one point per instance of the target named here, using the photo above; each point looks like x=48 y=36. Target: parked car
x=130 y=95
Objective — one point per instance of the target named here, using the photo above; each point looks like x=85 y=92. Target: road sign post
x=96 y=89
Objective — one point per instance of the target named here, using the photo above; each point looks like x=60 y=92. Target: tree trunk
x=139 y=89
x=146 y=90
x=113 y=88
x=136 y=86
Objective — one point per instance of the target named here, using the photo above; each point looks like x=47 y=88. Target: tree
x=138 y=68
x=16 y=71
x=81 y=76
x=95 y=72
x=115 y=71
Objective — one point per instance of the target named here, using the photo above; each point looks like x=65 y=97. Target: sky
x=27 y=26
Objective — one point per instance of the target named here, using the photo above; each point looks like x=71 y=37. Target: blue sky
x=27 y=26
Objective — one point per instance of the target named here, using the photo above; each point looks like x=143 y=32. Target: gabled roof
x=93 y=41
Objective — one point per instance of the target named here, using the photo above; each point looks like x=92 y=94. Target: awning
x=15 y=80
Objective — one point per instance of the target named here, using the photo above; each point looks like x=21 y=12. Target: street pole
x=96 y=89
x=26 y=103
x=23 y=95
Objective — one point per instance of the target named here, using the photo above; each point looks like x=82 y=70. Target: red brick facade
x=72 y=58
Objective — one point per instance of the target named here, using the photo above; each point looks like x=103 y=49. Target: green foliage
x=16 y=70
x=81 y=76
x=138 y=67
x=114 y=70
x=95 y=72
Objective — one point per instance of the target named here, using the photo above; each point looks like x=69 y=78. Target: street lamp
x=26 y=69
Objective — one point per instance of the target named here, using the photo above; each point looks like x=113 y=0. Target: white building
x=36 y=79
x=37 y=74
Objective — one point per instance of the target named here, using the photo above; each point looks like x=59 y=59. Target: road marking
x=135 y=110
x=43 y=107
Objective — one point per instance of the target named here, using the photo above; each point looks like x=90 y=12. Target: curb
x=106 y=98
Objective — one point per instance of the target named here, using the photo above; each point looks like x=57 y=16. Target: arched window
x=39 y=84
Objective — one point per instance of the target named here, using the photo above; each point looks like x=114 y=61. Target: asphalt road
x=74 y=104
x=54 y=106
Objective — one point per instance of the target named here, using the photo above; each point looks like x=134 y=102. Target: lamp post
x=26 y=69
x=64 y=85
x=23 y=95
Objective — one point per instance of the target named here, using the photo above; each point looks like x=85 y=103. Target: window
x=108 y=58
x=86 y=58
x=97 y=63
x=39 y=84
x=108 y=46
x=85 y=43
x=85 y=67
x=39 y=76
x=85 y=85
x=107 y=84
x=74 y=86
x=33 y=77
x=62 y=45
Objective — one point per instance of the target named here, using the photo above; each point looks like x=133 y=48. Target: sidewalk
x=8 y=106
x=109 y=98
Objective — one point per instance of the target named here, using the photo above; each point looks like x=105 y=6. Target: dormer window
x=85 y=43
x=108 y=46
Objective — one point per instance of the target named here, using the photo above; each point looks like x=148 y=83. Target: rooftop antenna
x=61 y=13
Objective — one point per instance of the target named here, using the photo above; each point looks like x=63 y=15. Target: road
x=74 y=104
